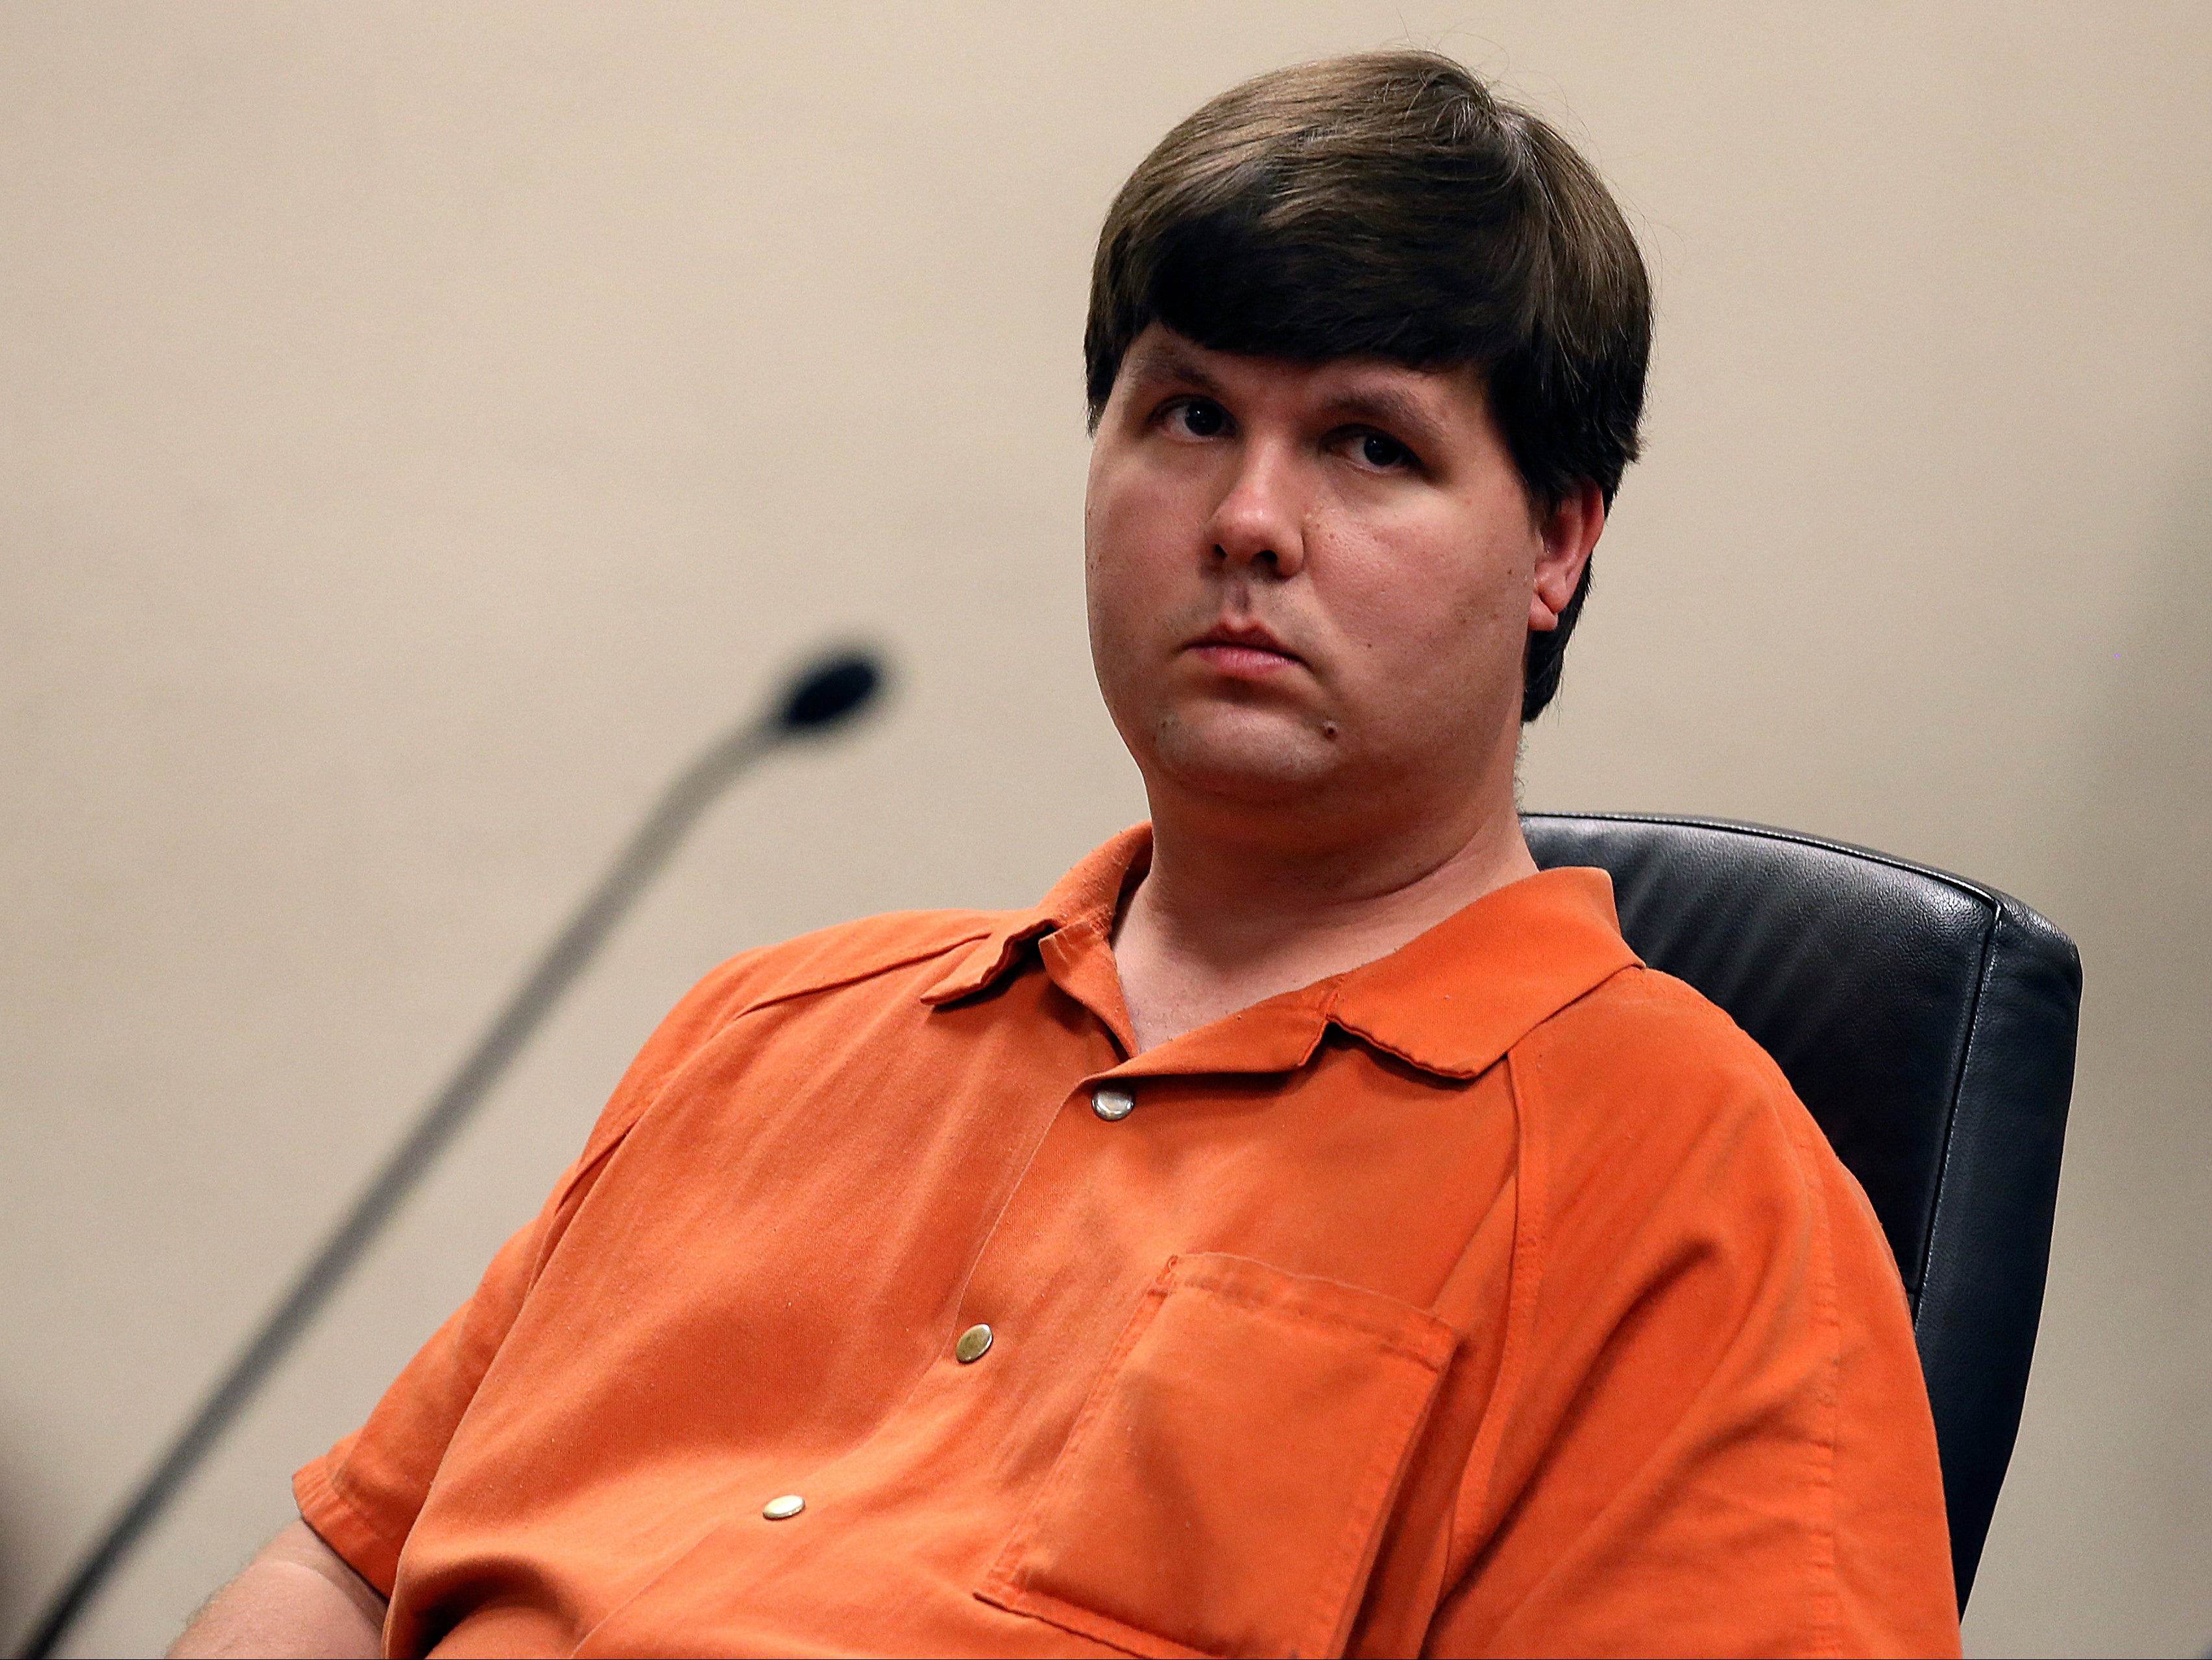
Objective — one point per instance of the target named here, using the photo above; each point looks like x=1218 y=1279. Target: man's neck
x=1217 y=923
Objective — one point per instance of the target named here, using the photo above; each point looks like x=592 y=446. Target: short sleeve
x=362 y=1496
x=1721 y=1443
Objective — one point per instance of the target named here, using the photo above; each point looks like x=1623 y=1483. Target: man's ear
x=1570 y=532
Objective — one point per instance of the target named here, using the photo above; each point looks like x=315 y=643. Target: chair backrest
x=1928 y=1022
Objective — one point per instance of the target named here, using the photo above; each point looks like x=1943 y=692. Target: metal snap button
x=1111 y=1104
x=972 y=1344
x=783 y=1509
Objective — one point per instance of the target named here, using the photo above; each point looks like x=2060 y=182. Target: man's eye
x=1377 y=451
x=1199 y=417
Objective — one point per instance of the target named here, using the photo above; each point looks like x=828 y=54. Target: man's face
x=1314 y=583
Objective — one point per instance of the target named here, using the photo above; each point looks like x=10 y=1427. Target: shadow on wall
x=2118 y=1435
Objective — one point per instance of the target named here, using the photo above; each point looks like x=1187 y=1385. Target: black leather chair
x=1928 y=1022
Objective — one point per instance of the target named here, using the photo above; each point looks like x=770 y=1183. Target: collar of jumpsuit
x=1449 y=1002
x=894 y=1308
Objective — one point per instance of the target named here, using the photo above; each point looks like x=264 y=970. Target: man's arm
x=1723 y=1445
x=297 y=1597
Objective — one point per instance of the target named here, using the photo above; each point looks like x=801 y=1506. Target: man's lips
x=1245 y=653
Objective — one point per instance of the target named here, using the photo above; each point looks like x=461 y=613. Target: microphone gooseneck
x=829 y=692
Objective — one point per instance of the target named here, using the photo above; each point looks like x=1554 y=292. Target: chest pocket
x=1224 y=1490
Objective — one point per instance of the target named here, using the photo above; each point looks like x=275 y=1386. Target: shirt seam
x=1826 y=1599
x=1524 y=1282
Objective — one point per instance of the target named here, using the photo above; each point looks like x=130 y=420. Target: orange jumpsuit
x=1496 y=1297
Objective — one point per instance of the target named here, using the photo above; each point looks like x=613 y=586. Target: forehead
x=1161 y=359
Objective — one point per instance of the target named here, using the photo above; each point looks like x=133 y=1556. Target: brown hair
x=1388 y=204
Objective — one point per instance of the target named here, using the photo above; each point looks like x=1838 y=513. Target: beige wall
x=422 y=425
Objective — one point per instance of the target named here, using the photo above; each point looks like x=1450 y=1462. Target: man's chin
x=1271 y=762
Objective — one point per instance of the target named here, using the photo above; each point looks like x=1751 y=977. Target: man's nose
x=1259 y=522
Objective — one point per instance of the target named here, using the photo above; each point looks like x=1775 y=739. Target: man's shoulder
x=868 y=954
x=1643 y=1024
x=1645 y=1070
x=1669 y=1136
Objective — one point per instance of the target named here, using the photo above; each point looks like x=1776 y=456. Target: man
x=1311 y=1230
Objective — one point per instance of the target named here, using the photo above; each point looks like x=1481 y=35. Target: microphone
x=835 y=689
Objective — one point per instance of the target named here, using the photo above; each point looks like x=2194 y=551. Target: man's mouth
x=1246 y=651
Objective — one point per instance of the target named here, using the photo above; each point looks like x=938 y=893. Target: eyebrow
x=1165 y=360
x=1386 y=406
